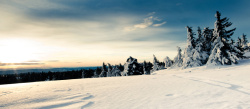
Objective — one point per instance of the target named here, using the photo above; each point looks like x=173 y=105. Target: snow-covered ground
x=226 y=87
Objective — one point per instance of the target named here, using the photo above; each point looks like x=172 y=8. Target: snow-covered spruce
x=200 y=52
x=157 y=65
x=110 y=68
x=208 y=36
x=168 y=62
x=104 y=71
x=131 y=67
x=244 y=43
x=147 y=67
x=188 y=60
x=178 y=60
x=116 y=71
x=223 y=53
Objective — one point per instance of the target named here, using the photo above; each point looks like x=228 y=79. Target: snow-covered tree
x=116 y=71
x=200 y=38
x=147 y=67
x=200 y=52
x=244 y=42
x=110 y=68
x=239 y=47
x=200 y=55
x=131 y=67
x=208 y=36
x=155 y=64
x=178 y=60
x=168 y=62
x=97 y=72
x=121 y=67
x=223 y=53
x=104 y=71
x=188 y=52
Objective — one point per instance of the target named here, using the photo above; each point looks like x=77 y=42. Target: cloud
x=52 y=61
x=147 y=22
x=33 y=61
x=160 y=24
x=150 y=14
x=11 y=64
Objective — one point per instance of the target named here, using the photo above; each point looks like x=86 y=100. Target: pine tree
x=109 y=73
x=200 y=52
x=244 y=42
x=188 y=52
x=116 y=71
x=121 y=67
x=147 y=67
x=208 y=36
x=104 y=70
x=97 y=72
x=131 y=67
x=222 y=53
x=168 y=62
x=239 y=46
x=200 y=38
x=200 y=55
x=178 y=60
x=156 y=65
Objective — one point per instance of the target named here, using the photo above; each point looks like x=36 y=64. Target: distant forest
x=45 y=76
x=211 y=47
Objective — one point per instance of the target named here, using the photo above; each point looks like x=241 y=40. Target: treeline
x=45 y=76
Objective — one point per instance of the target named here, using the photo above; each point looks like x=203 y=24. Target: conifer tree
x=131 y=67
x=188 y=52
x=116 y=71
x=244 y=42
x=208 y=36
x=178 y=60
x=121 y=67
x=109 y=73
x=147 y=67
x=200 y=38
x=168 y=62
x=156 y=65
x=222 y=53
x=200 y=52
x=104 y=70
x=97 y=72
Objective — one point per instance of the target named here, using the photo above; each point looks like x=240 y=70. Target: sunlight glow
x=17 y=50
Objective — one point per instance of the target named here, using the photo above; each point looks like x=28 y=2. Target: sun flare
x=17 y=51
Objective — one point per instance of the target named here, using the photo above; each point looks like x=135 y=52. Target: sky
x=78 y=33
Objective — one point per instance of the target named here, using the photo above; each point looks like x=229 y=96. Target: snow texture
x=226 y=87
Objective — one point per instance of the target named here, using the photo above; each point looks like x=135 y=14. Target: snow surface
x=224 y=87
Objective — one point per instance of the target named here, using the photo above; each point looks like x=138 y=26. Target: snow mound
x=225 y=87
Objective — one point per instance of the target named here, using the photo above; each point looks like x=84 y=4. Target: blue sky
x=66 y=33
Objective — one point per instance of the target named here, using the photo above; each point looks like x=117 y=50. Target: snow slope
x=196 y=88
